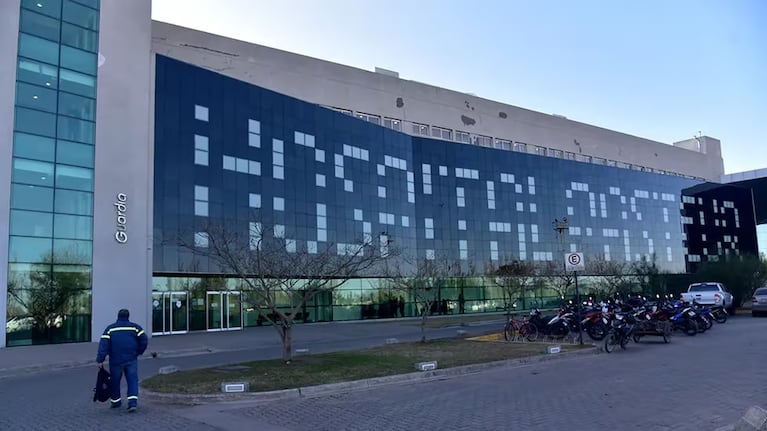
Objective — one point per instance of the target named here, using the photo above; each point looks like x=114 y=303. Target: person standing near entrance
x=123 y=341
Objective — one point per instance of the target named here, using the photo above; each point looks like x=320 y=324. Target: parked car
x=759 y=302
x=710 y=293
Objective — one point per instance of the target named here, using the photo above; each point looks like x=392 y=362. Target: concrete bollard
x=168 y=369
x=426 y=366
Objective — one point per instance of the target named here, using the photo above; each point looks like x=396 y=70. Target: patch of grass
x=343 y=366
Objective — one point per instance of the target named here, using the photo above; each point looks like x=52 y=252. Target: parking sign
x=574 y=262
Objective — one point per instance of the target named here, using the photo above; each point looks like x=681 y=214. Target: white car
x=709 y=293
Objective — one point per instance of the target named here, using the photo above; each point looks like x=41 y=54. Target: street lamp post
x=562 y=226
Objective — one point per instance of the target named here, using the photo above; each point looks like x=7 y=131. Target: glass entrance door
x=224 y=309
x=170 y=313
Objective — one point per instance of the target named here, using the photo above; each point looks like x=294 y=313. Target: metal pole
x=578 y=308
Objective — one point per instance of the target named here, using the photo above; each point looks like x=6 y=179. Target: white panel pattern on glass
x=201 y=150
x=394 y=162
x=356 y=152
x=463 y=249
x=201 y=113
x=490 y=195
x=304 y=139
x=469 y=174
x=405 y=221
x=254 y=133
x=460 y=196
x=520 y=206
x=279 y=231
x=461 y=224
x=507 y=178
x=311 y=247
x=278 y=159
x=357 y=214
x=426 y=169
x=386 y=218
x=531 y=185
x=322 y=223
x=607 y=252
x=254 y=200
x=319 y=180
x=428 y=225
x=254 y=235
x=493 y=250
x=443 y=171
x=348 y=186
x=497 y=226
x=290 y=245
x=201 y=201
x=410 y=187
x=278 y=203
x=243 y=166
x=201 y=239
x=430 y=255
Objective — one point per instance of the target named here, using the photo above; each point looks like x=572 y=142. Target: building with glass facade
x=126 y=136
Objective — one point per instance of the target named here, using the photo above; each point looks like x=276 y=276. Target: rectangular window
x=72 y=227
x=278 y=204
x=35 y=122
x=460 y=198
x=35 y=97
x=76 y=13
x=31 y=223
x=72 y=153
x=392 y=123
x=73 y=129
x=50 y=8
x=441 y=133
x=482 y=141
x=502 y=144
x=463 y=249
x=32 y=172
x=461 y=224
x=463 y=137
x=428 y=224
x=381 y=192
x=78 y=60
x=319 y=180
x=520 y=146
x=37 y=48
x=541 y=151
x=370 y=118
x=278 y=159
x=77 y=106
x=254 y=200
x=79 y=37
x=420 y=129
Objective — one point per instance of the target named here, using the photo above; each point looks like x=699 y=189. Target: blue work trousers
x=130 y=369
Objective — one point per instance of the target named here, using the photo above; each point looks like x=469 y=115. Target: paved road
x=694 y=383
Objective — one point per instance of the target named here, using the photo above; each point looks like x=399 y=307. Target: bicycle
x=519 y=328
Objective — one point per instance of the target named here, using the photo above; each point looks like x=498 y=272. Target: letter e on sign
x=574 y=262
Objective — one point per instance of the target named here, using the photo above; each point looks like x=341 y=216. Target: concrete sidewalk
x=15 y=361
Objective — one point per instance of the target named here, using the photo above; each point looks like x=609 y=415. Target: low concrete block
x=553 y=349
x=755 y=419
x=302 y=351
x=461 y=332
x=168 y=369
x=392 y=341
x=426 y=366
x=230 y=387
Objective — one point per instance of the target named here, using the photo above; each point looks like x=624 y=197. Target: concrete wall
x=122 y=271
x=9 y=36
x=382 y=94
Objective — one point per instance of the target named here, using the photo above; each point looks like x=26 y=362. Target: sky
x=662 y=70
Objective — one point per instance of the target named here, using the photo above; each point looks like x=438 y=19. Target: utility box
x=426 y=366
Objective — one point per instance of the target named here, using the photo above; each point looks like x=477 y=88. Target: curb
x=25 y=370
x=330 y=388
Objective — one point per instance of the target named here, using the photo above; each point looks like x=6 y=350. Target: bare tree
x=273 y=269
x=614 y=276
x=515 y=277
x=650 y=278
x=49 y=290
x=557 y=278
x=421 y=282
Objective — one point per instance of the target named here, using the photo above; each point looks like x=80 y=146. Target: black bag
x=101 y=391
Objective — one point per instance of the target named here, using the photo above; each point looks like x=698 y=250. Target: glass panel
x=73 y=202
x=32 y=172
x=90 y=3
x=79 y=37
x=26 y=249
x=80 y=15
x=39 y=123
x=77 y=59
x=33 y=147
x=179 y=311
x=73 y=129
x=47 y=7
x=71 y=226
x=157 y=314
x=233 y=311
x=72 y=252
x=214 y=311
x=31 y=223
x=72 y=153
x=78 y=83
x=38 y=48
x=32 y=96
x=38 y=73
x=28 y=197
x=39 y=25
x=71 y=177
x=77 y=106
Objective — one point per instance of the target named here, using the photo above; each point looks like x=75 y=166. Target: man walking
x=123 y=341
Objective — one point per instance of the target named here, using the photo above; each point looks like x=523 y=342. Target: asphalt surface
x=693 y=383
